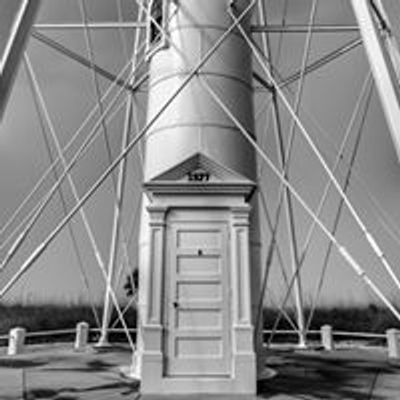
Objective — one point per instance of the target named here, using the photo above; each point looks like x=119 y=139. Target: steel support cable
x=342 y=249
x=49 y=170
x=117 y=226
x=370 y=239
x=389 y=227
x=268 y=264
x=317 y=291
x=285 y=156
x=294 y=28
x=42 y=247
x=47 y=198
x=35 y=208
x=273 y=244
x=104 y=25
x=119 y=273
x=39 y=111
x=321 y=62
x=97 y=253
x=118 y=186
x=285 y=165
x=277 y=306
x=366 y=88
x=120 y=30
x=262 y=14
x=272 y=227
x=324 y=196
x=32 y=212
x=264 y=108
x=125 y=246
x=135 y=214
x=66 y=147
x=136 y=125
x=81 y=60
x=274 y=230
x=52 y=130
x=262 y=81
x=269 y=219
x=96 y=85
x=339 y=156
x=380 y=214
x=133 y=300
x=380 y=15
x=388 y=36
x=133 y=111
x=280 y=40
x=269 y=258
x=133 y=224
x=377 y=209
x=315 y=65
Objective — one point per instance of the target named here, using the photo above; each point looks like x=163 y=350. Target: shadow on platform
x=61 y=374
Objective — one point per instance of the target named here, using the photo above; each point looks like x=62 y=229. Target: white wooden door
x=197 y=326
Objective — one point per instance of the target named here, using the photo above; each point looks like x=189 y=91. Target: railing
x=16 y=337
x=360 y=335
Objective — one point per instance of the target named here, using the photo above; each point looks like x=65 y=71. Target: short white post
x=82 y=336
x=393 y=343
x=327 y=338
x=16 y=341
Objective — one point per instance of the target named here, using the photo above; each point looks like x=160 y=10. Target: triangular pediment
x=201 y=169
x=200 y=174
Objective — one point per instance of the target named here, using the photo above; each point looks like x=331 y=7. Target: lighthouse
x=198 y=262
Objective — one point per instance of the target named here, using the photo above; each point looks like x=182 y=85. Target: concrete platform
x=56 y=372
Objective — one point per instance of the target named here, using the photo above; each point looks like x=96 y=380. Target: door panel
x=192 y=291
x=195 y=265
x=194 y=238
x=197 y=310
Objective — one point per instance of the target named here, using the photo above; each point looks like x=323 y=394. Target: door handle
x=175 y=304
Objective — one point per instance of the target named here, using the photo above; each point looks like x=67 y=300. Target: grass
x=370 y=318
x=47 y=317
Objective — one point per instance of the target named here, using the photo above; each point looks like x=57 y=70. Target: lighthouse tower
x=199 y=271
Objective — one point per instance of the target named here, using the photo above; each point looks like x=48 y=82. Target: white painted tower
x=199 y=271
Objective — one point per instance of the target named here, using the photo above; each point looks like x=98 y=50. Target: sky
x=329 y=98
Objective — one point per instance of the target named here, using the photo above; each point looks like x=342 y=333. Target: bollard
x=82 y=335
x=393 y=343
x=16 y=341
x=327 y=338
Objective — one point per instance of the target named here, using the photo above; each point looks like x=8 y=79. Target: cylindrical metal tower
x=194 y=137
x=193 y=122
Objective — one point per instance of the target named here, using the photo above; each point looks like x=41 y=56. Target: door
x=197 y=309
